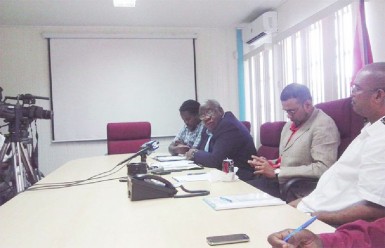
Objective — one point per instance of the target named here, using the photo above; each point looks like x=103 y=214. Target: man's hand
x=261 y=166
x=181 y=149
x=190 y=154
x=304 y=239
x=178 y=147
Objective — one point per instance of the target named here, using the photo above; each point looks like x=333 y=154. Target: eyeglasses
x=357 y=89
x=291 y=112
x=206 y=116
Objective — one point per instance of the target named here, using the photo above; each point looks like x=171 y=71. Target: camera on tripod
x=18 y=143
x=22 y=113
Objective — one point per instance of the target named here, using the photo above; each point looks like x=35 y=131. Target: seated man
x=308 y=145
x=354 y=187
x=358 y=234
x=190 y=135
x=224 y=137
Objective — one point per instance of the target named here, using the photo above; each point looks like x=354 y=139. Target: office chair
x=270 y=135
x=247 y=124
x=127 y=137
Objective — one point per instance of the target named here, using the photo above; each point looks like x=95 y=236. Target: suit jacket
x=230 y=140
x=311 y=150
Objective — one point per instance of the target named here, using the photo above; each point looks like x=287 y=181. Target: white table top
x=102 y=215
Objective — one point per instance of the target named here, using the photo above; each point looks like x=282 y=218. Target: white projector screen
x=97 y=81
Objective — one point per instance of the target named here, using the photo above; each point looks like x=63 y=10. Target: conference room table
x=100 y=214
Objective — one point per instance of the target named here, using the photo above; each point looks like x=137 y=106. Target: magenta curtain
x=362 y=53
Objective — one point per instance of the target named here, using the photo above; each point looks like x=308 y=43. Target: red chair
x=247 y=124
x=127 y=137
x=348 y=122
x=270 y=135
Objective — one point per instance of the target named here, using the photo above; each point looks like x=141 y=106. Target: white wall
x=24 y=68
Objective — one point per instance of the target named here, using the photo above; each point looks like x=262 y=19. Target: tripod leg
x=18 y=168
x=4 y=150
x=26 y=160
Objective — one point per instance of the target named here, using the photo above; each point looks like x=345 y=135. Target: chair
x=348 y=122
x=349 y=125
x=127 y=137
x=270 y=135
x=247 y=124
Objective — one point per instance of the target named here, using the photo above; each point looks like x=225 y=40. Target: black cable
x=192 y=193
x=47 y=187
x=79 y=182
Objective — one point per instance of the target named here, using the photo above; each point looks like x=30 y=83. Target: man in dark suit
x=224 y=137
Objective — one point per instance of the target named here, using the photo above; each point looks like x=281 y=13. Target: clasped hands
x=180 y=147
x=261 y=166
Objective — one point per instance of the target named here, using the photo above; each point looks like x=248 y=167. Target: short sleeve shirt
x=359 y=174
x=190 y=138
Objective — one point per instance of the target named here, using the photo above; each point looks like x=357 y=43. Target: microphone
x=150 y=146
x=27 y=97
x=146 y=149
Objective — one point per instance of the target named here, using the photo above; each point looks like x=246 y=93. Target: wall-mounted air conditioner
x=265 y=24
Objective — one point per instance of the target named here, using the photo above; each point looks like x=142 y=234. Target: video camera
x=23 y=112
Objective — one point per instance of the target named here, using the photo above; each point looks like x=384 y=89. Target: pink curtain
x=362 y=53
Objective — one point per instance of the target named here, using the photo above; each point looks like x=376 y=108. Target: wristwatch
x=193 y=154
x=277 y=171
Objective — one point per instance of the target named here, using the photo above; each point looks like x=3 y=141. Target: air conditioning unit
x=260 y=27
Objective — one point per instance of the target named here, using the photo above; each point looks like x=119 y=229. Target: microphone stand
x=142 y=153
x=147 y=148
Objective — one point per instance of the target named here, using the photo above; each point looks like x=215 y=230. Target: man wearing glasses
x=224 y=137
x=354 y=187
x=308 y=145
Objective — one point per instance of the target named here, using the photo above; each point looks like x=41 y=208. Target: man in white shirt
x=354 y=187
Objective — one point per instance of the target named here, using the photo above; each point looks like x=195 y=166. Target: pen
x=198 y=173
x=225 y=199
x=300 y=228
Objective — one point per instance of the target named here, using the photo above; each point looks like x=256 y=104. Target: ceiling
x=147 y=13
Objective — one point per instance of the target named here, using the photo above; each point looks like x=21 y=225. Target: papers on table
x=192 y=177
x=169 y=158
x=243 y=201
x=175 y=165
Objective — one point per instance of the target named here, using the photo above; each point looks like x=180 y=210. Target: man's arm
x=356 y=234
x=363 y=210
x=294 y=203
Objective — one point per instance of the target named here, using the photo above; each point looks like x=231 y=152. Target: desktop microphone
x=146 y=149
x=150 y=146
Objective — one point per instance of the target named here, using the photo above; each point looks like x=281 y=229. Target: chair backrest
x=247 y=124
x=127 y=137
x=348 y=122
x=270 y=135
